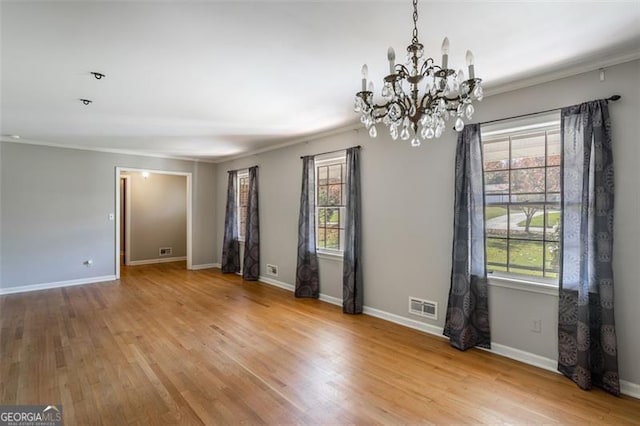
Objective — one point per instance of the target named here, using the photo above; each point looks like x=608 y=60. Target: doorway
x=123 y=237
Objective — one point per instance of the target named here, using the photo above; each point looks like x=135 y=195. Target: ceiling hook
x=97 y=75
x=86 y=101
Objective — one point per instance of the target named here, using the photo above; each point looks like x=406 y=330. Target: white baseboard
x=158 y=260
x=407 y=322
x=57 y=284
x=627 y=388
x=276 y=283
x=205 y=266
x=630 y=389
x=523 y=356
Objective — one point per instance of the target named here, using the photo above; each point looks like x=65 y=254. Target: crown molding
x=105 y=150
x=308 y=138
x=575 y=69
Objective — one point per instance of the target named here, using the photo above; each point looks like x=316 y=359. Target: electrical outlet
x=536 y=326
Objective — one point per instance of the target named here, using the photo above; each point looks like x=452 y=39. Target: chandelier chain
x=415 y=21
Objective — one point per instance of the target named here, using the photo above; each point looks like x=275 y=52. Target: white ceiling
x=213 y=80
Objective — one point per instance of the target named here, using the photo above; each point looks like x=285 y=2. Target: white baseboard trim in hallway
x=205 y=266
x=158 y=260
x=57 y=284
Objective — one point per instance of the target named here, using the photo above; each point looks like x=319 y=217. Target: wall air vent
x=424 y=308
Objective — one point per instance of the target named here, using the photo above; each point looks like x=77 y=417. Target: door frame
x=118 y=172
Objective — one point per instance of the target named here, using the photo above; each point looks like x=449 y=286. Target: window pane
x=496 y=154
x=335 y=173
x=527 y=198
x=553 y=148
x=526 y=221
x=496 y=221
x=333 y=239
x=322 y=196
x=321 y=216
x=528 y=180
x=553 y=197
x=321 y=240
x=525 y=257
x=527 y=151
x=323 y=173
x=496 y=183
x=552 y=262
x=333 y=218
x=335 y=195
x=553 y=179
x=496 y=254
x=554 y=216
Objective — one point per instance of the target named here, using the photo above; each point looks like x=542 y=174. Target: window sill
x=335 y=256
x=523 y=285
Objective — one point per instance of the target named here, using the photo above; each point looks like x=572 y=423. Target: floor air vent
x=424 y=308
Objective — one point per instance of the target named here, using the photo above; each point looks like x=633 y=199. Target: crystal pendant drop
x=478 y=92
x=439 y=130
x=415 y=142
x=373 y=132
x=393 y=131
x=356 y=105
x=429 y=133
x=469 y=111
x=404 y=135
x=459 y=125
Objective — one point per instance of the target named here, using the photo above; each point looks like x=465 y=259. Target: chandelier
x=447 y=94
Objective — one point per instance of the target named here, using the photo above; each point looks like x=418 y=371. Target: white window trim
x=241 y=174
x=506 y=281
x=322 y=160
x=335 y=255
x=542 y=122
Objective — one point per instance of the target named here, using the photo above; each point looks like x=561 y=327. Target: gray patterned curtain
x=587 y=349
x=307 y=275
x=467 y=321
x=230 y=245
x=352 y=296
x=251 y=261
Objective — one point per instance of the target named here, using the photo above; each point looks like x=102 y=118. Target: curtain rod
x=244 y=168
x=331 y=152
x=612 y=98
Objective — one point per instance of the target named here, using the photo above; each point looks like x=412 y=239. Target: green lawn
x=523 y=254
x=494 y=211
x=538 y=221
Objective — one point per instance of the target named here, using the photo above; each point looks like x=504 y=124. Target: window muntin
x=522 y=201
x=243 y=201
x=330 y=203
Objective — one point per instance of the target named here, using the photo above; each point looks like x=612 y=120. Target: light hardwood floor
x=168 y=346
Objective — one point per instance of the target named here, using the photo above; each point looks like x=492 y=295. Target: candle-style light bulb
x=370 y=88
x=469 y=58
x=445 y=53
x=365 y=73
x=391 y=56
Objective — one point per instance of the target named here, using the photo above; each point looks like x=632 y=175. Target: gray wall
x=158 y=215
x=407 y=196
x=54 y=207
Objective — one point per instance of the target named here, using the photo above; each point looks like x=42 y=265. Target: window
x=243 y=201
x=330 y=203
x=522 y=198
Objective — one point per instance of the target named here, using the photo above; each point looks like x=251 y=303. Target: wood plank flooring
x=168 y=346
